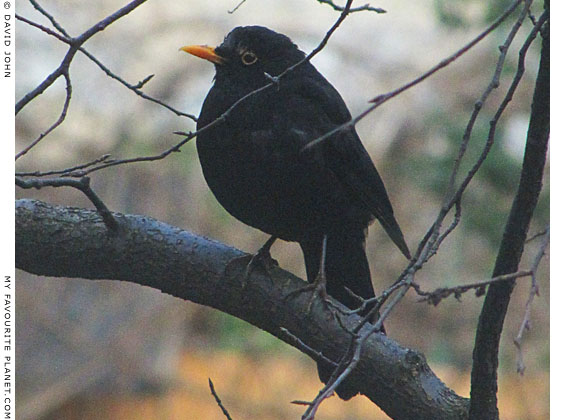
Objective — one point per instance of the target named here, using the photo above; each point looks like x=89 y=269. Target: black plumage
x=253 y=162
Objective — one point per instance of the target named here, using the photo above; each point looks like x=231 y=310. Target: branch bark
x=485 y=354
x=70 y=242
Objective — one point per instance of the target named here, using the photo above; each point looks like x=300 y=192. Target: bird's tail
x=346 y=266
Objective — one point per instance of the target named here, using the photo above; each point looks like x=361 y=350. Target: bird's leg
x=262 y=258
x=318 y=286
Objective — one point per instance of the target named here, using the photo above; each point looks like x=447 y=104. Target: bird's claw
x=261 y=259
x=318 y=288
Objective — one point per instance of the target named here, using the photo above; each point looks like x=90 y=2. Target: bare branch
x=63 y=70
x=193 y=268
x=537 y=235
x=433 y=238
x=74 y=169
x=509 y=94
x=436 y=296
x=218 y=401
x=435 y=243
x=534 y=291
x=48 y=31
x=494 y=83
x=222 y=118
x=62 y=116
x=324 y=41
x=485 y=354
x=162 y=155
x=236 y=7
x=451 y=198
x=352 y=356
x=75 y=44
x=53 y=21
x=306 y=349
x=381 y=99
x=82 y=184
x=429 y=243
x=365 y=7
x=137 y=87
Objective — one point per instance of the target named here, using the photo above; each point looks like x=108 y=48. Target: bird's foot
x=261 y=259
x=318 y=286
x=318 y=289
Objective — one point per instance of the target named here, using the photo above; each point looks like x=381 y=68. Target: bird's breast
x=253 y=164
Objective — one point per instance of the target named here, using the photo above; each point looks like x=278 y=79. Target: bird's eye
x=248 y=58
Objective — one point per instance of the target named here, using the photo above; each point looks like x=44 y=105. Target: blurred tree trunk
x=484 y=383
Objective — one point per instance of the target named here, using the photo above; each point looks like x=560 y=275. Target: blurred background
x=111 y=350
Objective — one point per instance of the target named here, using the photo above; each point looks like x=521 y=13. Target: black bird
x=255 y=165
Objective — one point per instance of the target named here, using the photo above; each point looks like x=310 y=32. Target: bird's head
x=248 y=52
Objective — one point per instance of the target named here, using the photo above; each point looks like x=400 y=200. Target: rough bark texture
x=485 y=355
x=70 y=242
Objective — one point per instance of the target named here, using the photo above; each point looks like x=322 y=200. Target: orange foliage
x=263 y=387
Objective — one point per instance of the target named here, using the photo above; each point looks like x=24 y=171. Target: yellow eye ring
x=248 y=58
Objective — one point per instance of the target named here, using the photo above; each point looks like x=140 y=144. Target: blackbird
x=254 y=163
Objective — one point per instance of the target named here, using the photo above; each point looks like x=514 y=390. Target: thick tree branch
x=82 y=184
x=485 y=355
x=70 y=242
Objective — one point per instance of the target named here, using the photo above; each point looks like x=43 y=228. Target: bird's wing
x=347 y=158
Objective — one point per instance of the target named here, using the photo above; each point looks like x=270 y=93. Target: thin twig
x=224 y=116
x=428 y=243
x=534 y=291
x=353 y=355
x=301 y=402
x=432 y=237
x=436 y=296
x=236 y=7
x=48 y=31
x=62 y=116
x=537 y=235
x=379 y=100
x=49 y=16
x=377 y=301
x=74 y=169
x=218 y=401
x=162 y=155
x=494 y=83
x=75 y=44
x=135 y=88
x=452 y=197
x=509 y=93
x=435 y=243
x=305 y=348
x=363 y=8
x=322 y=44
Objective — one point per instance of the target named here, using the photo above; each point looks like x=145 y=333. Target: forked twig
x=82 y=184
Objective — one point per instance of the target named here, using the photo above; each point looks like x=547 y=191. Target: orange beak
x=205 y=52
